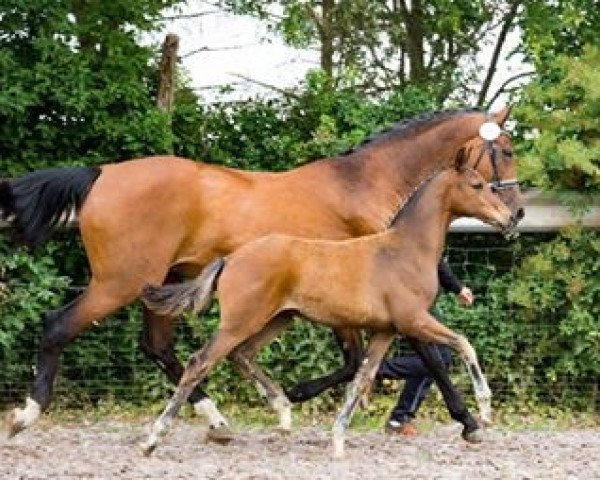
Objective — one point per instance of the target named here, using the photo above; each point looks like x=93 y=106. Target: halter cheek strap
x=496 y=183
x=492 y=150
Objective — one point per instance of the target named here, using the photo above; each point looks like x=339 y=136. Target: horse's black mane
x=409 y=126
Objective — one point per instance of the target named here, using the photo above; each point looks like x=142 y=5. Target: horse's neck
x=424 y=223
x=396 y=166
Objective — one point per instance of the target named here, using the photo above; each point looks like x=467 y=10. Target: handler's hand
x=465 y=297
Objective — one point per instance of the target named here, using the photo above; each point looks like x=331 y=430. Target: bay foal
x=385 y=283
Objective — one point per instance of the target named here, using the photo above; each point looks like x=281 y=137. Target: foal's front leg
x=431 y=330
x=350 y=342
x=454 y=400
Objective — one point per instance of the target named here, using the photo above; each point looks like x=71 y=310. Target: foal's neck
x=424 y=221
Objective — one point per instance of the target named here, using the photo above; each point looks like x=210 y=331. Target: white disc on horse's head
x=490 y=131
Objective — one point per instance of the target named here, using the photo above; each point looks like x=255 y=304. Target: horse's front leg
x=156 y=341
x=351 y=343
x=455 y=403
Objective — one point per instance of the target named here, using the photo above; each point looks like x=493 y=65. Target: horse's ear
x=501 y=115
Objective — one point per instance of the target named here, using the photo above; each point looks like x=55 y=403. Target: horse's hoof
x=221 y=435
x=14 y=426
x=298 y=394
x=474 y=436
x=147 y=448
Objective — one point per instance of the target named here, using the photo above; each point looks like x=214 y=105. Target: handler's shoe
x=394 y=427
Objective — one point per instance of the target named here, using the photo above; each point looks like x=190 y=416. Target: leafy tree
x=429 y=44
x=77 y=86
x=282 y=132
x=564 y=109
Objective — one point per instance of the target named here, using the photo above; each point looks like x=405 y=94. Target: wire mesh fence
x=106 y=364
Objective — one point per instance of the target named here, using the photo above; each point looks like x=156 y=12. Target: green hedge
x=534 y=326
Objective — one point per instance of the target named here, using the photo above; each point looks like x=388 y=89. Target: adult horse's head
x=491 y=154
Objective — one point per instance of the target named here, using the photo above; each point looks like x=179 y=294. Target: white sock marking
x=207 y=408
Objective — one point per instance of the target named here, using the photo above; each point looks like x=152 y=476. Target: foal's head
x=470 y=195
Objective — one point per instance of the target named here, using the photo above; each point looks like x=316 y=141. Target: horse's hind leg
x=157 y=343
x=351 y=344
x=60 y=327
x=378 y=346
x=243 y=357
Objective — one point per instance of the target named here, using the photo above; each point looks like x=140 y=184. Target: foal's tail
x=39 y=202
x=194 y=296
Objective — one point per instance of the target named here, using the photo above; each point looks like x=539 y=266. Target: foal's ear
x=461 y=160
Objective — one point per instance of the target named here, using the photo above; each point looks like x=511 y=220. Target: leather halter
x=492 y=150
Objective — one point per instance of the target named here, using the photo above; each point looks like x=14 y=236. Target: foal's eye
x=507 y=154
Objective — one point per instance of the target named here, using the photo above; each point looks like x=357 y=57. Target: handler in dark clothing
x=412 y=369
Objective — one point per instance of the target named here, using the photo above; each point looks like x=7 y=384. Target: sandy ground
x=108 y=450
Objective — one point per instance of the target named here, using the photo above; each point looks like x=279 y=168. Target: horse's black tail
x=194 y=296
x=41 y=201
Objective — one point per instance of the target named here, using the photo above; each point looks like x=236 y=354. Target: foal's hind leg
x=243 y=357
x=378 y=346
x=60 y=328
x=196 y=370
x=351 y=345
x=157 y=343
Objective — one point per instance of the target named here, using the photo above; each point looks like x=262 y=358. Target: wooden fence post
x=167 y=70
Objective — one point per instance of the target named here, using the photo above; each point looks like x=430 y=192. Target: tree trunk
x=327 y=37
x=413 y=20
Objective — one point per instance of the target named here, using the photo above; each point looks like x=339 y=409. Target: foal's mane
x=409 y=204
x=410 y=126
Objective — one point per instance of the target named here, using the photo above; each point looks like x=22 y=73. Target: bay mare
x=158 y=219
x=385 y=283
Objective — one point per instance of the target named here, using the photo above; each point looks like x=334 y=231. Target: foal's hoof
x=14 y=425
x=147 y=448
x=473 y=436
x=221 y=435
x=284 y=432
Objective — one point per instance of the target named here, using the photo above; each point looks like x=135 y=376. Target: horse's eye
x=507 y=153
x=477 y=186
